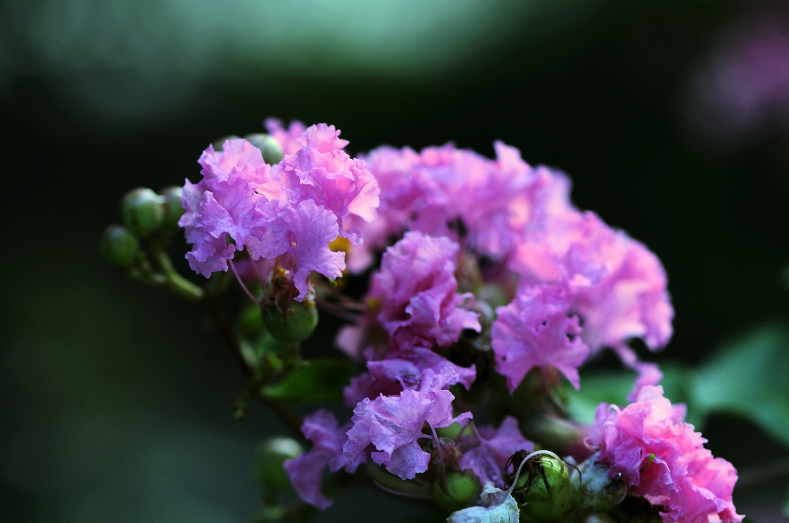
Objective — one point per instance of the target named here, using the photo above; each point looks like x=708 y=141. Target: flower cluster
x=481 y=272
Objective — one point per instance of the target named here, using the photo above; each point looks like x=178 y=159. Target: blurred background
x=671 y=117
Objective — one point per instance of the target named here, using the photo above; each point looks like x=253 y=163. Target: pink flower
x=306 y=471
x=416 y=288
x=538 y=329
x=664 y=460
x=296 y=207
x=489 y=459
x=292 y=139
x=393 y=424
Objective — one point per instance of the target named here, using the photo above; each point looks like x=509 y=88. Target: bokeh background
x=671 y=117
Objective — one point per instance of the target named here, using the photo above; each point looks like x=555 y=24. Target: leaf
x=319 y=380
x=749 y=377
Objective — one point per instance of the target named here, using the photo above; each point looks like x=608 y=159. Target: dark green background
x=115 y=397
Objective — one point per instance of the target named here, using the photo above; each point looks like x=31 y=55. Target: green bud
x=294 y=325
x=268 y=145
x=598 y=518
x=220 y=142
x=462 y=490
x=548 y=494
x=119 y=246
x=450 y=432
x=269 y=458
x=142 y=211
x=173 y=210
x=285 y=318
x=598 y=491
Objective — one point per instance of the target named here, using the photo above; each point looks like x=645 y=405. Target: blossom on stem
x=394 y=424
x=538 y=329
x=664 y=460
x=416 y=289
x=328 y=439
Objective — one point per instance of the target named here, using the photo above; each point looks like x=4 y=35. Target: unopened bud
x=268 y=145
x=142 y=211
x=119 y=246
x=544 y=485
x=285 y=318
x=595 y=488
x=173 y=209
x=269 y=457
x=462 y=490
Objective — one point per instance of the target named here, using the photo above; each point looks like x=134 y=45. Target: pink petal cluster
x=293 y=209
x=537 y=330
x=664 y=460
x=488 y=460
x=306 y=471
x=394 y=424
x=416 y=289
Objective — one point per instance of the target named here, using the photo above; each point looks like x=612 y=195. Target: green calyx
x=285 y=318
x=142 y=211
x=462 y=490
x=119 y=246
x=269 y=458
x=268 y=145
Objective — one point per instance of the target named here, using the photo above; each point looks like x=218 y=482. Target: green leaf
x=319 y=380
x=749 y=377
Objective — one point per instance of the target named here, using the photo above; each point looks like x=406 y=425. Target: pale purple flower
x=393 y=424
x=416 y=288
x=489 y=459
x=538 y=329
x=328 y=439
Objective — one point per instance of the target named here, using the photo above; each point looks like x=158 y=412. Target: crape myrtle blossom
x=295 y=208
x=327 y=438
x=394 y=424
x=488 y=460
x=664 y=460
x=536 y=330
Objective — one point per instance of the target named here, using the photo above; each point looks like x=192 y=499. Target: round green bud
x=119 y=246
x=268 y=145
x=173 y=209
x=142 y=211
x=450 y=432
x=598 y=492
x=270 y=455
x=550 y=493
x=294 y=325
x=462 y=490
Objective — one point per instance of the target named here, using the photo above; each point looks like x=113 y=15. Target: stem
x=174 y=281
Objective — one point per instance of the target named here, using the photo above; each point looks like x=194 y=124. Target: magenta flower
x=489 y=459
x=295 y=208
x=292 y=139
x=306 y=471
x=393 y=424
x=416 y=288
x=664 y=460
x=538 y=329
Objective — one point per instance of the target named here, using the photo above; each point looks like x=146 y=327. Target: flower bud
x=269 y=457
x=268 y=145
x=594 y=487
x=462 y=490
x=545 y=486
x=219 y=143
x=142 y=211
x=173 y=209
x=286 y=319
x=119 y=246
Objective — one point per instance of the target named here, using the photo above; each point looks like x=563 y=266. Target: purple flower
x=296 y=207
x=538 y=329
x=328 y=439
x=393 y=424
x=489 y=459
x=416 y=288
